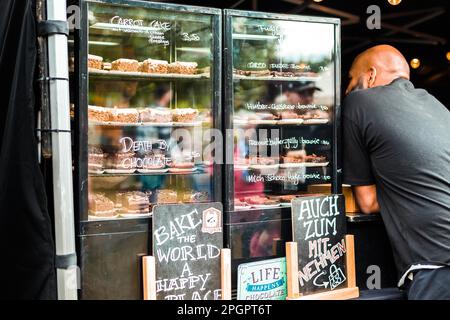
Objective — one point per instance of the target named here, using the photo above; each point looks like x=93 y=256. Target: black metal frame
x=86 y=231
x=278 y=215
x=229 y=98
x=82 y=82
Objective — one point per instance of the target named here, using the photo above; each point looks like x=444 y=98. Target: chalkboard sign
x=187 y=240
x=262 y=280
x=319 y=228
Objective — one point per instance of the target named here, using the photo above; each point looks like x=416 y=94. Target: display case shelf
x=139 y=76
x=272 y=78
x=281 y=166
x=156 y=173
x=150 y=124
x=300 y=122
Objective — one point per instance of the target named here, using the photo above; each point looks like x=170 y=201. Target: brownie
x=315 y=158
x=260 y=73
x=240 y=203
x=289 y=115
x=241 y=72
x=287 y=198
x=297 y=156
x=260 y=200
x=286 y=74
x=263 y=160
x=309 y=116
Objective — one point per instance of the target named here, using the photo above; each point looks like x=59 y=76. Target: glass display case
x=146 y=98
x=281 y=93
x=146 y=107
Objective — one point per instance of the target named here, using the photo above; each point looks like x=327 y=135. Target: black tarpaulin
x=26 y=245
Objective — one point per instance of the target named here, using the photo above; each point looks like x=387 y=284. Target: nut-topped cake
x=95 y=62
x=154 y=66
x=183 y=67
x=155 y=115
x=185 y=115
x=125 y=65
x=125 y=115
x=99 y=114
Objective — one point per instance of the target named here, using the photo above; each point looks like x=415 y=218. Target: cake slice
x=183 y=67
x=195 y=196
x=125 y=65
x=295 y=156
x=107 y=66
x=155 y=115
x=315 y=158
x=95 y=62
x=166 y=196
x=100 y=205
x=154 y=66
x=95 y=158
x=125 y=115
x=120 y=161
x=99 y=114
x=185 y=115
x=135 y=203
x=152 y=161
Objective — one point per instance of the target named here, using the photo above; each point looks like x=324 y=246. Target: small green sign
x=262 y=280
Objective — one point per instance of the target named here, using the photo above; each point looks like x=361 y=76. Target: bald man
x=397 y=158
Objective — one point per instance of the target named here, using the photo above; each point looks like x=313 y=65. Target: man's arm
x=366 y=197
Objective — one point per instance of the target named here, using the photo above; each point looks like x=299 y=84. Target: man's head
x=302 y=93
x=377 y=66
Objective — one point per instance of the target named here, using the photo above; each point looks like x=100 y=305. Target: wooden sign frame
x=149 y=275
x=352 y=291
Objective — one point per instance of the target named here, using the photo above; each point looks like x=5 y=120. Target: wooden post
x=292 y=270
x=225 y=263
x=350 y=261
x=149 y=277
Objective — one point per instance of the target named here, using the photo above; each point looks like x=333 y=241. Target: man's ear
x=372 y=77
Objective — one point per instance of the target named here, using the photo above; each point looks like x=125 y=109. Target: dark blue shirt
x=398 y=138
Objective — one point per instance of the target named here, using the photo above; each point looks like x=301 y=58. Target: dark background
x=427 y=39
